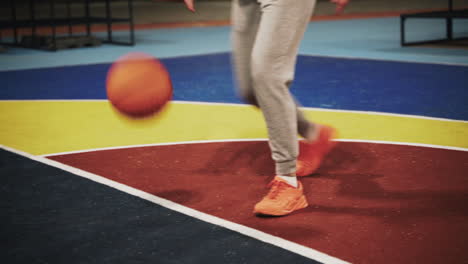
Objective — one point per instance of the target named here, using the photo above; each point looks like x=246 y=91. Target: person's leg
x=245 y=17
x=245 y=21
x=305 y=128
x=282 y=26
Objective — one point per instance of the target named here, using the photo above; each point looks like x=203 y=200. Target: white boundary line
x=154 y=145
x=256 y=234
x=54 y=100
x=444 y=63
x=246 y=105
x=403 y=144
x=336 y=111
x=250 y=140
x=311 y=54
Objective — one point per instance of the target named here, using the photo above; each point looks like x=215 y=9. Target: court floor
x=81 y=184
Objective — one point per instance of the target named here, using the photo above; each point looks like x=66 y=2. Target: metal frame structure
x=53 y=21
x=448 y=15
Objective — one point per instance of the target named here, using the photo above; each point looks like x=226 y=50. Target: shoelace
x=276 y=189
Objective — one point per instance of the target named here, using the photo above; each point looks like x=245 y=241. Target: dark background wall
x=161 y=11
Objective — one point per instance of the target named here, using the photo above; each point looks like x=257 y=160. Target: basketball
x=138 y=85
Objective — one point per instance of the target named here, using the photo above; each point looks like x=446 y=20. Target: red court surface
x=369 y=203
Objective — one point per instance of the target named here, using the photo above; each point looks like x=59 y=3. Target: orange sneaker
x=282 y=199
x=311 y=154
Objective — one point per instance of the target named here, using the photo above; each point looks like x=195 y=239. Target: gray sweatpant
x=266 y=35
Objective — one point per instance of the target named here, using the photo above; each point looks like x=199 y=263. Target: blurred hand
x=190 y=5
x=340 y=5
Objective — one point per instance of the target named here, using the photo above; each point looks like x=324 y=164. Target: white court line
x=53 y=100
x=311 y=54
x=247 y=105
x=336 y=111
x=249 y=140
x=154 y=145
x=256 y=234
x=403 y=144
x=444 y=63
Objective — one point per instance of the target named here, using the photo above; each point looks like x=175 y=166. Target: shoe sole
x=301 y=204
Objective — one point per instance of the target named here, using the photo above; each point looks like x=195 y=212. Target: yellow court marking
x=46 y=127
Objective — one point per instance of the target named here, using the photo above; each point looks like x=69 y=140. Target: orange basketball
x=138 y=85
